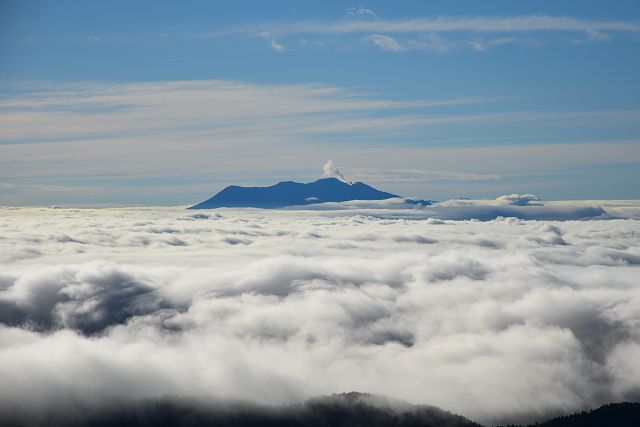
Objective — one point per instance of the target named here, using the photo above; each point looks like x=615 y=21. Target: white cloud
x=386 y=43
x=442 y=24
x=519 y=199
x=305 y=42
x=498 y=320
x=478 y=45
x=412 y=175
x=431 y=43
x=276 y=46
x=526 y=207
x=443 y=33
x=597 y=35
x=481 y=45
x=361 y=12
x=425 y=43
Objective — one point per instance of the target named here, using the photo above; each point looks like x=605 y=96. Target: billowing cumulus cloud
x=502 y=320
x=525 y=206
x=519 y=199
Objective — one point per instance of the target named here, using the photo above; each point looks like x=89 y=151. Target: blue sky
x=158 y=102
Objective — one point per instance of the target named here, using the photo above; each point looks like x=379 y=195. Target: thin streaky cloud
x=98 y=110
x=361 y=12
x=412 y=175
x=479 y=24
x=87 y=95
x=66 y=134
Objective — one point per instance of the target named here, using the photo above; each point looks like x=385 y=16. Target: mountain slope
x=625 y=414
x=339 y=410
x=291 y=193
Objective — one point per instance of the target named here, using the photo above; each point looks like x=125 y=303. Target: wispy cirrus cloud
x=439 y=34
x=478 y=24
x=74 y=135
x=482 y=44
x=425 y=43
x=436 y=34
x=95 y=110
x=412 y=175
x=361 y=12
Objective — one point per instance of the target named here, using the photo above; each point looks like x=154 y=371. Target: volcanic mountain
x=289 y=193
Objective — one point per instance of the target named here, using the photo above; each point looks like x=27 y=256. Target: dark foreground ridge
x=340 y=410
x=291 y=193
x=346 y=409
x=614 y=414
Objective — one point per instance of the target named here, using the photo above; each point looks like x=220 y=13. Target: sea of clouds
x=499 y=320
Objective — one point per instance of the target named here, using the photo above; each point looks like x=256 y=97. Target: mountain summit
x=289 y=193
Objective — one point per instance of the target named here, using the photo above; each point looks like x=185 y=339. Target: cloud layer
x=505 y=320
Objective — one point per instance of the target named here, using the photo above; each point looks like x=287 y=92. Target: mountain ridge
x=340 y=409
x=291 y=193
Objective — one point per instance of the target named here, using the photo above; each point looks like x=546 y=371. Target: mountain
x=626 y=414
x=340 y=410
x=291 y=193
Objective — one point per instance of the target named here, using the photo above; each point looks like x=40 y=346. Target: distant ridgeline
x=291 y=193
x=341 y=410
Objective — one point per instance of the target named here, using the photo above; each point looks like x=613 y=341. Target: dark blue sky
x=167 y=102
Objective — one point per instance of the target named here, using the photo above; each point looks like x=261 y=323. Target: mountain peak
x=291 y=193
x=333 y=179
